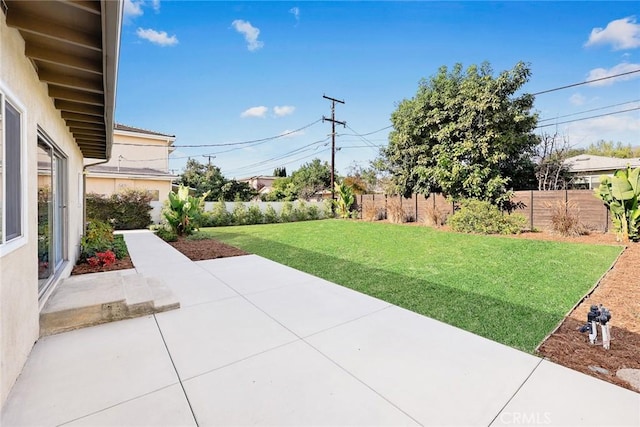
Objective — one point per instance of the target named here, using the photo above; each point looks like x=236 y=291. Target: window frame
x=6 y=247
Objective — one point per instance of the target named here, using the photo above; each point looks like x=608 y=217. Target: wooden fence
x=536 y=207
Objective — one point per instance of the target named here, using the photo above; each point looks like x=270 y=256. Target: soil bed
x=84 y=268
x=198 y=250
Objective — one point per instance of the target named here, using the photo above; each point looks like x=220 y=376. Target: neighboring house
x=261 y=183
x=587 y=168
x=58 y=67
x=139 y=160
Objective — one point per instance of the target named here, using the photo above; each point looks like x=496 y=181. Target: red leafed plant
x=102 y=259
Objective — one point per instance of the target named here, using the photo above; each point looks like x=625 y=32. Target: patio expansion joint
x=164 y=342
x=516 y=391
x=116 y=405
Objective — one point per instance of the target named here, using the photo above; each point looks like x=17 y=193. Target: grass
x=513 y=291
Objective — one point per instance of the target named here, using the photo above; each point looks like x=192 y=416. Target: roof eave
x=111 y=31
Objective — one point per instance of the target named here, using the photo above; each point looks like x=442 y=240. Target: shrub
x=345 y=200
x=125 y=210
x=254 y=215
x=370 y=212
x=314 y=212
x=301 y=211
x=435 y=217
x=207 y=219
x=120 y=247
x=327 y=208
x=565 y=218
x=167 y=234
x=395 y=211
x=222 y=217
x=287 y=214
x=270 y=215
x=240 y=215
x=183 y=211
x=97 y=238
x=477 y=216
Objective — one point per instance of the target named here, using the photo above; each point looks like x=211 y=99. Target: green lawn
x=510 y=290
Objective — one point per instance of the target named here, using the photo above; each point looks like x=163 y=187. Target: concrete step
x=92 y=299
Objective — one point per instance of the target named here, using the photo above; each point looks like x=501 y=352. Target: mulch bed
x=84 y=268
x=198 y=250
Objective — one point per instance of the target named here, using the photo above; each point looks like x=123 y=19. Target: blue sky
x=227 y=72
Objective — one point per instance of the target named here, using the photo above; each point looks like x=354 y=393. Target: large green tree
x=611 y=149
x=311 y=178
x=463 y=133
x=208 y=178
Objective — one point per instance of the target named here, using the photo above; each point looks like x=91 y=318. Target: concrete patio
x=259 y=343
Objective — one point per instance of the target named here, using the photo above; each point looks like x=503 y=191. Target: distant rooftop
x=129 y=171
x=591 y=163
x=126 y=128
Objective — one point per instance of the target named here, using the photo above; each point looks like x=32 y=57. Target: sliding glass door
x=51 y=213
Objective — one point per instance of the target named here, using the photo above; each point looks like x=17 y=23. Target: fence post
x=385 y=206
x=531 y=210
x=416 y=196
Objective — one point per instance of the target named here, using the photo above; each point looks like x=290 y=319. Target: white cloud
x=132 y=9
x=621 y=127
x=621 y=34
x=250 y=33
x=161 y=38
x=291 y=133
x=284 y=110
x=156 y=5
x=295 y=11
x=624 y=67
x=577 y=99
x=260 y=111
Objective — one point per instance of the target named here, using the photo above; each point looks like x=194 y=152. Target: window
x=11 y=172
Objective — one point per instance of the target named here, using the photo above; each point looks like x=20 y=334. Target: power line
x=590 y=117
x=586 y=82
x=365 y=134
x=589 y=111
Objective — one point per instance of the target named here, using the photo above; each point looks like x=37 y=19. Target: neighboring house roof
x=591 y=163
x=126 y=128
x=74 y=49
x=126 y=171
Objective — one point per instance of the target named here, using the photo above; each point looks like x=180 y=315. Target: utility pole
x=333 y=142
x=210 y=157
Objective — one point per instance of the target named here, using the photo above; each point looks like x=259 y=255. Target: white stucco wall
x=19 y=304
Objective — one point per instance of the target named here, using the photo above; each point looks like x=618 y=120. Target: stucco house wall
x=139 y=160
x=19 y=303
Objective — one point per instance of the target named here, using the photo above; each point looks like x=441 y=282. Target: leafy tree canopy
x=208 y=178
x=463 y=133
x=611 y=149
x=280 y=172
x=311 y=178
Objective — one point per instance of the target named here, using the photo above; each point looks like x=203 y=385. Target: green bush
x=327 y=208
x=126 y=210
x=167 y=234
x=314 y=212
x=208 y=219
x=97 y=238
x=183 y=211
x=287 y=214
x=221 y=216
x=254 y=215
x=476 y=216
x=301 y=211
x=240 y=216
x=270 y=215
x=120 y=247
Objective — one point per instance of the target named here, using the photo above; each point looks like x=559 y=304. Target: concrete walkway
x=258 y=343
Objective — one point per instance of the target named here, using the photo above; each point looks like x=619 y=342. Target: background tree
x=280 y=172
x=203 y=178
x=361 y=180
x=311 y=178
x=611 y=149
x=233 y=190
x=461 y=133
x=282 y=189
x=551 y=171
